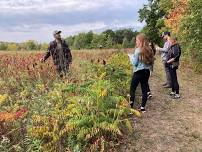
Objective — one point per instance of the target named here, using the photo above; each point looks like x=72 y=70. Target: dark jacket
x=174 y=52
x=52 y=51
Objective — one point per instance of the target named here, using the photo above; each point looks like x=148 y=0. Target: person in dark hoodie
x=60 y=53
x=173 y=59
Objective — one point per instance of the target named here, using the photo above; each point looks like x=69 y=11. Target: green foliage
x=31 y=45
x=106 y=39
x=191 y=32
x=126 y=43
x=82 y=113
x=83 y=40
x=109 y=42
x=44 y=46
x=151 y=13
x=12 y=47
x=92 y=116
x=70 y=40
x=80 y=41
x=3 y=46
x=166 y=6
x=110 y=33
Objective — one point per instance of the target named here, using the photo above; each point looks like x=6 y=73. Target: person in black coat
x=61 y=54
x=173 y=59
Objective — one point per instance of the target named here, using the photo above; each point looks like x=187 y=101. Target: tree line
x=122 y=38
x=28 y=45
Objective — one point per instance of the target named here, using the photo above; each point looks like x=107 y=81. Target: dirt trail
x=170 y=125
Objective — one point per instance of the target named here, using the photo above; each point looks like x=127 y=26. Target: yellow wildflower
x=24 y=93
x=40 y=87
x=3 y=98
x=103 y=93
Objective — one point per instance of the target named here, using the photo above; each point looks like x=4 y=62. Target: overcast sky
x=22 y=20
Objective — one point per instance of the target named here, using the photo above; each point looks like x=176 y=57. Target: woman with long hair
x=142 y=61
x=151 y=44
x=173 y=60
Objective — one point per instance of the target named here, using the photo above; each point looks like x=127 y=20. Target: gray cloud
x=36 y=19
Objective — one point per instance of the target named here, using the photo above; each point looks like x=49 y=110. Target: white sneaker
x=176 y=96
x=172 y=93
x=149 y=95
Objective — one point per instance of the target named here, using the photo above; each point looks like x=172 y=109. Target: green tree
x=31 y=45
x=95 y=41
x=128 y=34
x=166 y=6
x=119 y=36
x=102 y=40
x=99 y=40
x=151 y=13
x=79 y=42
x=132 y=42
x=191 y=31
x=83 y=40
x=109 y=42
x=3 y=46
x=89 y=38
x=12 y=47
x=44 y=46
x=110 y=33
x=126 y=43
x=70 y=41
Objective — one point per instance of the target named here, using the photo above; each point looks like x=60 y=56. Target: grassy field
x=88 y=110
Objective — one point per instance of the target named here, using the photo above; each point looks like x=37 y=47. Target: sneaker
x=172 y=93
x=176 y=96
x=130 y=113
x=149 y=95
x=142 y=109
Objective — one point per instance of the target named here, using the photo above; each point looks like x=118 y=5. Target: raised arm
x=165 y=48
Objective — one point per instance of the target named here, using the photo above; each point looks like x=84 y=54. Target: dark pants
x=148 y=88
x=174 y=81
x=168 y=76
x=141 y=77
x=62 y=70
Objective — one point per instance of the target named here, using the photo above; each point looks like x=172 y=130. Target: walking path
x=169 y=125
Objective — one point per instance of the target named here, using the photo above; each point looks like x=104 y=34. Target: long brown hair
x=146 y=53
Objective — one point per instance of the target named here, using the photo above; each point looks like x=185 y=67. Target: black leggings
x=141 y=77
x=174 y=81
